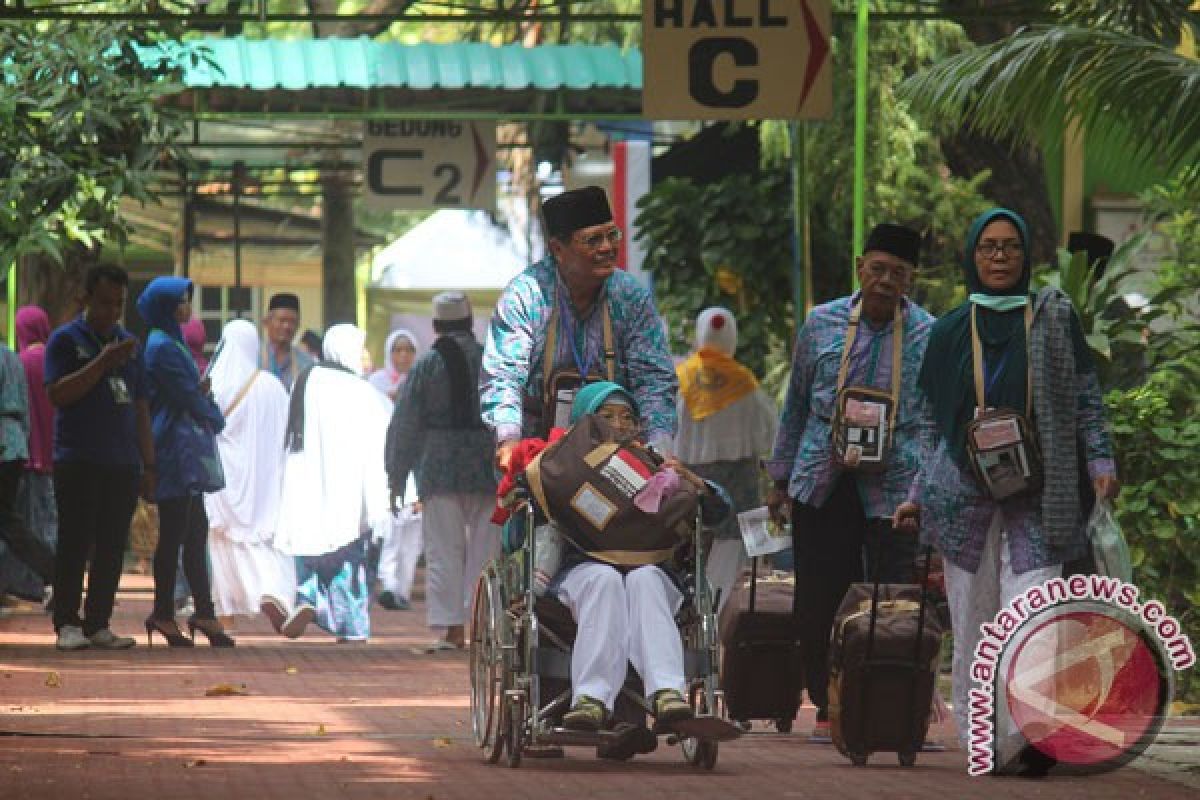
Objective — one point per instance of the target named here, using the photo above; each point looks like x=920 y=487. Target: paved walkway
x=321 y=720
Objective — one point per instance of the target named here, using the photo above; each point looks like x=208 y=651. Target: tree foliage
x=82 y=130
x=1136 y=100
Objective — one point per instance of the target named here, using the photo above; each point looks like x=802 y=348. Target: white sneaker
x=105 y=639
x=70 y=637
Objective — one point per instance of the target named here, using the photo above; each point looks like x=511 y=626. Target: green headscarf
x=947 y=374
x=591 y=397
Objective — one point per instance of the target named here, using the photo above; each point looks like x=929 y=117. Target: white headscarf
x=251 y=445
x=716 y=327
x=343 y=345
x=387 y=379
x=337 y=484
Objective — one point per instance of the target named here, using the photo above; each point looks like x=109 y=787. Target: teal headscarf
x=591 y=397
x=947 y=374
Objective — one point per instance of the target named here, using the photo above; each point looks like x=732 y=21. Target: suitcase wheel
x=907 y=759
x=783 y=725
x=858 y=759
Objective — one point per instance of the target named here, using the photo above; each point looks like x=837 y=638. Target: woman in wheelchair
x=626 y=615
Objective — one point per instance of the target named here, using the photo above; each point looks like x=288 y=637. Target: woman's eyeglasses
x=596 y=240
x=990 y=249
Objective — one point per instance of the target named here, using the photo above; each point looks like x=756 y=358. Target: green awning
x=364 y=77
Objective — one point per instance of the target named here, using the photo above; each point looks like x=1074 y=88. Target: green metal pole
x=860 y=130
x=12 y=305
x=802 y=262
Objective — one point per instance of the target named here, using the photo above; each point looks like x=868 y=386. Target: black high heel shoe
x=212 y=630
x=168 y=630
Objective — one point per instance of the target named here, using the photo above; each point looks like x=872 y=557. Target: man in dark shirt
x=103 y=452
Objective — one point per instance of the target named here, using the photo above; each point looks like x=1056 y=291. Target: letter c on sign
x=702 y=58
x=375 y=172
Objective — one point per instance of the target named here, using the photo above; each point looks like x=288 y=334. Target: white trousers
x=399 y=554
x=727 y=560
x=622 y=619
x=975 y=599
x=459 y=539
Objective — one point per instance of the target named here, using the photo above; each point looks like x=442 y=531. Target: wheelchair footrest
x=712 y=729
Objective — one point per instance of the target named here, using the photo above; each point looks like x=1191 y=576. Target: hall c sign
x=736 y=59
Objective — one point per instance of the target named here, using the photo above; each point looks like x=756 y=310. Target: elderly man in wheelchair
x=624 y=603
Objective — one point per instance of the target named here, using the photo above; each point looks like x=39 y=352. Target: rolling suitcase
x=760 y=655
x=883 y=663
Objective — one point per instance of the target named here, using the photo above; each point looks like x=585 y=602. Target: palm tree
x=1135 y=98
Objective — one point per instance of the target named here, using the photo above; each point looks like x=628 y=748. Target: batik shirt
x=14 y=408
x=803 y=453
x=514 y=355
x=957 y=512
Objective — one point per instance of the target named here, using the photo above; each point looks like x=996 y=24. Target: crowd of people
x=276 y=466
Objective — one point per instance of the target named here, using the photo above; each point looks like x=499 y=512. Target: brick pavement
x=323 y=720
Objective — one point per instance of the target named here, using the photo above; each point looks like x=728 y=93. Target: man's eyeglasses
x=878 y=269
x=990 y=249
x=595 y=241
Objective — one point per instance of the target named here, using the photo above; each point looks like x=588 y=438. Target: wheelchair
x=520 y=665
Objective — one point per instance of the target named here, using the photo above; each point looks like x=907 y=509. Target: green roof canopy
x=361 y=77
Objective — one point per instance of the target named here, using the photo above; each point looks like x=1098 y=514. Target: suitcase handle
x=753 y=581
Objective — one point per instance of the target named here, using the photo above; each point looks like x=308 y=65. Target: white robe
x=337 y=484
x=246 y=566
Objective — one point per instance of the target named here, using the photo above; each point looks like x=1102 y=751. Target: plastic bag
x=1109 y=549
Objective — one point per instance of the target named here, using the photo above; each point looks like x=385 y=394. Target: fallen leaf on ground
x=443 y=741
x=225 y=690
x=53 y=680
x=195 y=762
x=291 y=670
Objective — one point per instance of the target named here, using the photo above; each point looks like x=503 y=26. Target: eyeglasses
x=878 y=269
x=623 y=419
x=990 y=249
x=596 y=240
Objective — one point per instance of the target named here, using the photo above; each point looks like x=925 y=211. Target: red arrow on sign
x=481 y=162
x=818 y=49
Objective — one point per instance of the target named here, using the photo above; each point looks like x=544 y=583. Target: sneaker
x=105 y=639
x=294 y=626
x=820 y=733
x=669 y=706
x=70 y=637
x=588 y=714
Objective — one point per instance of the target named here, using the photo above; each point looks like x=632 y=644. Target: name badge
x=120 y=391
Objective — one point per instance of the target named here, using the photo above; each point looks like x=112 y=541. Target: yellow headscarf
x=710 y=380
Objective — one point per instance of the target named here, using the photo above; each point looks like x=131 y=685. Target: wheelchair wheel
x=700 y=753
x=489 y=674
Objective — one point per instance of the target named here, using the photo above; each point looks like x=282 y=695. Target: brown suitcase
x=761 y=671
x=883 y=661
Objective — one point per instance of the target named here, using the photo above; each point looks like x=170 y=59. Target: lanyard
x=897 y=356
x=977 y=358
x=583 y=361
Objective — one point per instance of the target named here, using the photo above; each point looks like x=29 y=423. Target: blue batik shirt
x=803 y=453
x=514 y=354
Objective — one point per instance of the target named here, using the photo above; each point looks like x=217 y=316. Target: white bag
x=1109 y=549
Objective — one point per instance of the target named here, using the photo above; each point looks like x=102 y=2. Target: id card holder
x=564 y=400
x=1004 y=453
x=861 y=429
x=119 y=389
